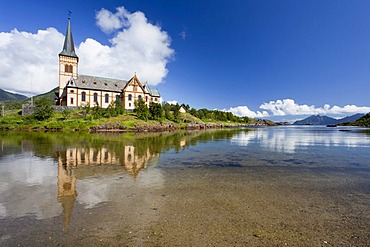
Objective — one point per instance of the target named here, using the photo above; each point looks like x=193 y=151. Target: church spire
x=68 y=47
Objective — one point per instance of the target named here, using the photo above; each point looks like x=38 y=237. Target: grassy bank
x=80 y=121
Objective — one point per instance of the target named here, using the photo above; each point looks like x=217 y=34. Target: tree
x=142 y=111
x=176 y=112
x=96 y=111
x=43 y=109
x=156 y=111
x=167 y=111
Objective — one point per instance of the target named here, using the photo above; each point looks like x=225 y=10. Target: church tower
x=68 y=64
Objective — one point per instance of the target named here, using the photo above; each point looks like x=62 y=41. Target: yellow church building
x=81 y=90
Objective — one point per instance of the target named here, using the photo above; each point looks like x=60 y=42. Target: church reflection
x=78 y=163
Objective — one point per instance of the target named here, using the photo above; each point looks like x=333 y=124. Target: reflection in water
x=281 y=140
x=79 y=163
x=91 y=169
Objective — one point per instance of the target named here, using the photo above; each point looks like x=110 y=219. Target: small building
x=80 y=90
x=182 y=109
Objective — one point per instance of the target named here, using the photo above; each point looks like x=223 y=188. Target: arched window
x=117 y=98
x=139 y=98
x=83 y=96
x=95 y=97
x=129 y=97
x=106 y=98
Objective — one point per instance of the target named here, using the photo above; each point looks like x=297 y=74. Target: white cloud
x=108 y=22
x=29 y=61
x=290 y=107
x=243 y=111
x=172 y=102
x=138 y=46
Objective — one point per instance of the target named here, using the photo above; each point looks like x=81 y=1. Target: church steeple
x=68 y=47
x=68 y=67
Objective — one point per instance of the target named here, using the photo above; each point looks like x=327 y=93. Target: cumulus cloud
x=290 y=107
x=137 y=46
x=30 y=60
x=244 y=111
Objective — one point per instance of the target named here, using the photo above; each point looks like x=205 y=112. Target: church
x=77 y=90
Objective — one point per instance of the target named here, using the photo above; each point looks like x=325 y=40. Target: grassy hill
x=49 y=95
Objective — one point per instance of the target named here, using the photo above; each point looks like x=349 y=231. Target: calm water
x=265 y=186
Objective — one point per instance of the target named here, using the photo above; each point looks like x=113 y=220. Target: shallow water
x=299 y=186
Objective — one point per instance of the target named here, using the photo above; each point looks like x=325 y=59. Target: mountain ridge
x=8 y=96
x=325 y=120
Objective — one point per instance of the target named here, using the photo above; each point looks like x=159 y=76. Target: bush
x=43 y=109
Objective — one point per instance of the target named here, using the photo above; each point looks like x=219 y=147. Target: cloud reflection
x=291 y=139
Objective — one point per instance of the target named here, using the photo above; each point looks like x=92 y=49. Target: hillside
x=7 y=96
x=364 y=121
x=324 y=120
x=49 y=95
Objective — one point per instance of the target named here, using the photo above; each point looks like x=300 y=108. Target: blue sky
x=277 y=59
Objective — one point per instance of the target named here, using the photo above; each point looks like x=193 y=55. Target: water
x=262 y=186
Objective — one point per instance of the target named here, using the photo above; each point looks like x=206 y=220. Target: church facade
x=77 y=90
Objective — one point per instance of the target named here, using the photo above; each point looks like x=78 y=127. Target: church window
x=139 y=97
x=146 y=98
x=71 y=101
x=129 y=97
x=95 y=97
x=68 y=68
x=129 y=104
x=117 y=98
x=106 y=98
x=83 y=96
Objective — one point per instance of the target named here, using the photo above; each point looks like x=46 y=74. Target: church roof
x=88 y=82
x=97 y=83
x=68 y=47
x=152 y=92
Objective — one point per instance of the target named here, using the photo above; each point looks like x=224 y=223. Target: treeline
x=43 y=110
x=171 y=112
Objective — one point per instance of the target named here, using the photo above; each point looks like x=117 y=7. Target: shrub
x=43 y=109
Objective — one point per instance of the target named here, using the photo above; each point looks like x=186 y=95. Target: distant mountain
x=316 y=120
x=324 y=120
x=7 y=96
x=351 y=118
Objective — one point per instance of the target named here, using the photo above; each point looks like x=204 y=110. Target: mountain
x=351 y=118
x=7 y=96
x=316 y=120
x=324 y=120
